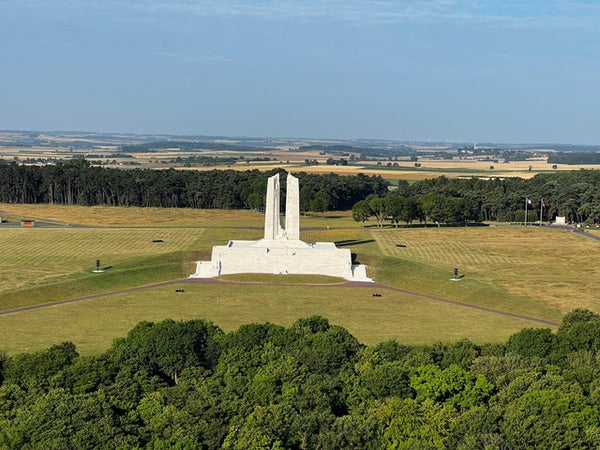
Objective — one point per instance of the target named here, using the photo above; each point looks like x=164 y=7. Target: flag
x=543 y=204
x=528 y=201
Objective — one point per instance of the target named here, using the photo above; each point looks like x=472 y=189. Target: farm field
x=286 y=157
x=406 y=170
x=540 y=273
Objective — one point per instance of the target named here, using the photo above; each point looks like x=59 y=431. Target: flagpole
x=526 y=211
x=541 y=210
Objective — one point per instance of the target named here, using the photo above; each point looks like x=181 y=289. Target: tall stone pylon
x=292 y=208
x=281 y=251
x=272 y=223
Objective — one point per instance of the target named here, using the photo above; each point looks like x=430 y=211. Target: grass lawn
x=108 y=216
x=539 y=265
x=111 y=216
x=263 y=278
x=93 y=324
x=535 y=272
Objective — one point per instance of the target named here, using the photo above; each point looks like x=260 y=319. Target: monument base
x=279 y=256
x=281 y=251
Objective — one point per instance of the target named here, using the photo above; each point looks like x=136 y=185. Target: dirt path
x=468 y=305
x=89 y=297
x=354 y=284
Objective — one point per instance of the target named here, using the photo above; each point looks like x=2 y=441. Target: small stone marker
x=456 y=277
x=97 y=269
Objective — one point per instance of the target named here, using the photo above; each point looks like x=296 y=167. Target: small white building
x=560 y=220
x=281 y=251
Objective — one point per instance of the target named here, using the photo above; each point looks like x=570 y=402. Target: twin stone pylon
x=273 y=229
x=281 y=251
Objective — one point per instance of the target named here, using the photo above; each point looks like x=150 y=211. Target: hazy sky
x=478 y=70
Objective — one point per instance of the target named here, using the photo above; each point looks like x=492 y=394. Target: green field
x=92 y=324
x=541 y=273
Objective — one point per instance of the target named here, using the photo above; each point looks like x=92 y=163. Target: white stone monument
x=281 y=251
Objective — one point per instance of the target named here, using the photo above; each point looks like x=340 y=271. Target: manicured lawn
x=545 y=265
x=536 y=272
x=93 y=324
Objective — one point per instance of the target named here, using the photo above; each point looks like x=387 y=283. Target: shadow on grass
x=348 y=242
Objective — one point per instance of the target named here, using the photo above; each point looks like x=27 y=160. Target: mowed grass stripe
x=534 y=272
x=427 y=247
x=92 y=325
x=547 y=265
x=432 y=280
x=36 y=256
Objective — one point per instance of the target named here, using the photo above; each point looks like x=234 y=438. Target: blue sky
x=501 y=71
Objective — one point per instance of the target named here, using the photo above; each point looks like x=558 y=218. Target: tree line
x=190 y=146
x=308 y=386
x=574 y=158
x=77 y=182
x=573 y=194
x=430 y=207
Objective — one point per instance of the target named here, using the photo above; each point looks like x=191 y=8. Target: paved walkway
x=347 y=284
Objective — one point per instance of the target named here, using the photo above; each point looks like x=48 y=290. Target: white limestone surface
x=281 y=251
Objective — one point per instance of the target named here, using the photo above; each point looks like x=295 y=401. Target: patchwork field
x=540 y=273
x=406 y=170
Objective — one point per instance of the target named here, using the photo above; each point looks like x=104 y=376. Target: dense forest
x=76 y=182
x=309 y=386
x=574 y=194
x=574 y=158
x=364 y=152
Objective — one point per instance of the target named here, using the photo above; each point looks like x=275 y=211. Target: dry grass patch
x=548 y=265
x=334 y=235
x=117 y=216
x=114 y=216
